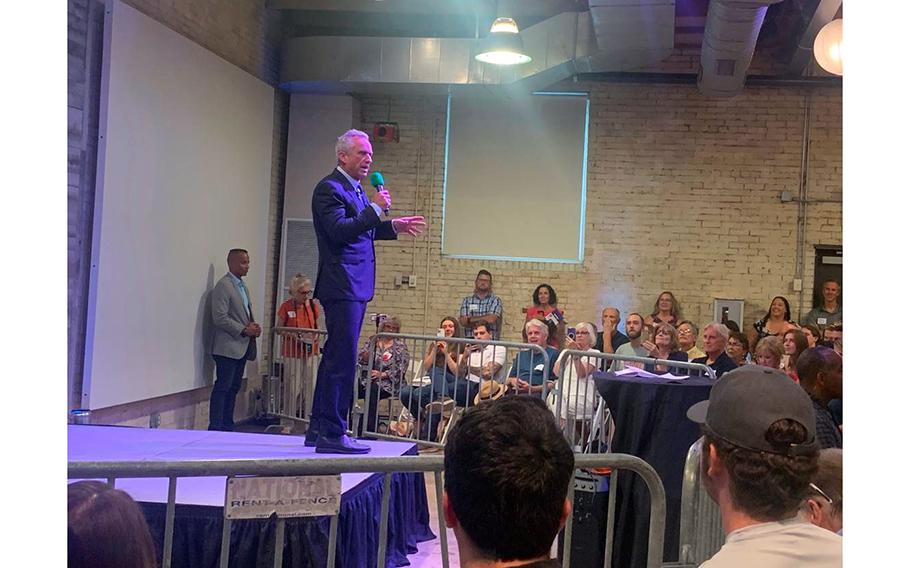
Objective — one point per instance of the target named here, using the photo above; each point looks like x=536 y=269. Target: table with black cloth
x=651 y=423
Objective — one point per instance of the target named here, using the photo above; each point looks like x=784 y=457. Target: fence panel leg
x=333 y=539
x=225 y=543
x=384 y=519
x=169 y=522
x=443 y=535
x=279 y=543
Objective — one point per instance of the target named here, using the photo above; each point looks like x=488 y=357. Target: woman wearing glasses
x=687 y=333
x=577 y=401
x=299 y=311
x=664 y=346
x=738 y=348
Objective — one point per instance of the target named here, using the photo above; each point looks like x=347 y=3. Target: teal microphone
x=378 y=184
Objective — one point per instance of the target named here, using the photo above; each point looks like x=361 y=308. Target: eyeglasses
x=582 y=333
x=824 y=495
x=685 y=332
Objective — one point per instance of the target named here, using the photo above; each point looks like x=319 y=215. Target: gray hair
x=588 y=327
x=346 y=140
x=540 y=325
x=297 y=281
x=720 y=328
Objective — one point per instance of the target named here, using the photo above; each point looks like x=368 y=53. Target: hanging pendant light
x=502 y=46
x=827 y=47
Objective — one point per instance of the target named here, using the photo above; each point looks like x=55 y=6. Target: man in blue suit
x=346 y=222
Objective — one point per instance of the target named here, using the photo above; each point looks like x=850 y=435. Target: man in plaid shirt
x=482 y=306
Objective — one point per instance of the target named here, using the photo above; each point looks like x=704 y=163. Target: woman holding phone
x=437 y=378
x=575 y=398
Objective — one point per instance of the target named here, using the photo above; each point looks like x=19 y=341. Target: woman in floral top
x=385 y=378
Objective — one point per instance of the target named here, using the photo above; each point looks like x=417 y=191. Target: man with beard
x=483 y=306
x=634 y=326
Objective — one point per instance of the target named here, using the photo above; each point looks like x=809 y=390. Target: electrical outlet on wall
x=412 y=281
x=154 y=420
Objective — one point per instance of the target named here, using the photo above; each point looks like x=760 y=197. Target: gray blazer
x=230 y=316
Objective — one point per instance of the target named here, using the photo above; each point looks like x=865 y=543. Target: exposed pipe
x=803 y=203
x=426 y=277
x=691 y=79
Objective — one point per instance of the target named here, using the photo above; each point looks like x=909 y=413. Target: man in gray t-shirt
x=634 y=327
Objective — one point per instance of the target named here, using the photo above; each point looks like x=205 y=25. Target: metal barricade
x=292 y=365
x=701 y=530
x=580 y=409
x=175 y=470
x=426 y=400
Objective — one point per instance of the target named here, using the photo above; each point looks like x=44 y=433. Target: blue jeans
x=416 y=398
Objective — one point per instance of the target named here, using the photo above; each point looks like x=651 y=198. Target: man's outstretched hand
x=410 y=225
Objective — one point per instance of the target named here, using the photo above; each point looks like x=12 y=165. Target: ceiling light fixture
x=828 y=48
x=502 y=46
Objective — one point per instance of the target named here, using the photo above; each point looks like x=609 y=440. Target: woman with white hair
x=575 y=399
x=301 y=312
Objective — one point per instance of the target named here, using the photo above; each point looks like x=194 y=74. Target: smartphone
x=440 y=332
x=570 y=333
x=646 y=333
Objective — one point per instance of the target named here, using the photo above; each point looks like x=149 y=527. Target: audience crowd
x=464 y=374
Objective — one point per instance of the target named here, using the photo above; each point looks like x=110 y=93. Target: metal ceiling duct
x=613 y=36
x=731 y=32
x=630 y=35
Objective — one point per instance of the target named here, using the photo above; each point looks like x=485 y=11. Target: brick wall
x=683 y=194
x=243 y=33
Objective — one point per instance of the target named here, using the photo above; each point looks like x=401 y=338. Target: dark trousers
x=334 y=391
x=464 y=391
x=228 y=377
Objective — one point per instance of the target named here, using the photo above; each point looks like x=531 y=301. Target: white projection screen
x=515 y=171
x=184 y=167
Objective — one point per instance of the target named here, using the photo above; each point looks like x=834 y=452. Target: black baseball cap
x=745 y=402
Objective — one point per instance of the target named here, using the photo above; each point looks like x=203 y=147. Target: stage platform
x=200 y=500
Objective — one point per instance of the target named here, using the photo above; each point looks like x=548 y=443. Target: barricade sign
x=300 y=496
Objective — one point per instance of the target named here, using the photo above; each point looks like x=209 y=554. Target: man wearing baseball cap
x=758 y=456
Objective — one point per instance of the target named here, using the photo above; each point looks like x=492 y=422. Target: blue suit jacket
x=345 y=229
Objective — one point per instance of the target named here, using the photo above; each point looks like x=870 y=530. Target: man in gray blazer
x=234 y=339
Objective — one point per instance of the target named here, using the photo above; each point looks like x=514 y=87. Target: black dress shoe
x=344 y=444
x=311 y=436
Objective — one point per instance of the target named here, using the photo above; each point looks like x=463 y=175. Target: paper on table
x=636 y=372
x=673 y=377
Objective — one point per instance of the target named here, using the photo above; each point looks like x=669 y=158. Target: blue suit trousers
x=334 y=391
